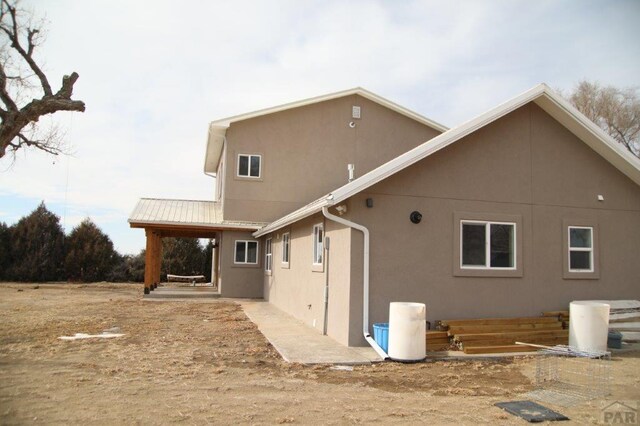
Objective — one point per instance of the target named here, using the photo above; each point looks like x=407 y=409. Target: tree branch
x=4 y=95
x=18 y=126
x=14 y=37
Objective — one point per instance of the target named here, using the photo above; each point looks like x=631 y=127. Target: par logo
x=620 y=413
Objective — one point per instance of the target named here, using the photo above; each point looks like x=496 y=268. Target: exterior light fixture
x=415 y=217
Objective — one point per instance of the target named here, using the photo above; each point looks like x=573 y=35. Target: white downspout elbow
x=365 y=290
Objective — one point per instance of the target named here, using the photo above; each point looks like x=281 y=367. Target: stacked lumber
x=497 y=335
x=624 y=316
x=437 y=340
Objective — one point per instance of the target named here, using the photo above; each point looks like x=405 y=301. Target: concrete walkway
x=197 y=292
x=297 y=342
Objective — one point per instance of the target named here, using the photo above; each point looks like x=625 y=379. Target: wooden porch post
x=148 y=261
x=157 y=261
x=152 y=261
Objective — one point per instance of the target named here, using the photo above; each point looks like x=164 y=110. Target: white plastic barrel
x=407 y=329
x=588 y=325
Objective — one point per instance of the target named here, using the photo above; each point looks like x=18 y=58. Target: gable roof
x=218 y=128
x=552 y=103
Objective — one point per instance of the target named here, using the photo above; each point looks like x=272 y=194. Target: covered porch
x=161 y=218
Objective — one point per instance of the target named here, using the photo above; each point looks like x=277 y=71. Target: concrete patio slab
x=297 y=342
x=198 y=292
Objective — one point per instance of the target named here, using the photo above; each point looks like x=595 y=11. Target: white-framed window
x=580 y=245
x=246 y=252
x=268 y=256
x=318 y=240
x=487 y=245
x=286 y=248
x=249 y=165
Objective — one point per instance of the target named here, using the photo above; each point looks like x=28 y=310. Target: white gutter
x=365 y=290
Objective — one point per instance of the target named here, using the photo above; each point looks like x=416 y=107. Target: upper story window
x=487 y=245
x=246 y=252
x=268 y=255
x=318 y=240
x=580 y=249
x=286 y=248
x=249 y=165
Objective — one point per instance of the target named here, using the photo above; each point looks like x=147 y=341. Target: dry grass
x=197 y=362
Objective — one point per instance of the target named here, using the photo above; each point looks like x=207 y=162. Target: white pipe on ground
x=365 y=290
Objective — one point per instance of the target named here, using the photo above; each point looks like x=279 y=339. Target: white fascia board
x=205 y=226
x=226 y=122
x=215 y=145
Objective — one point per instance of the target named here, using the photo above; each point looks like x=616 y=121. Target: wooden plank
x=437 y=346
x=471 y=329
x=511 y=341
x=630 y=336
x=555 y=314
x=498 y=349
x=625 y=326
x=630 y=317
x=438 y=342
x=496 y=321
x=436 y=334
x=522 y=336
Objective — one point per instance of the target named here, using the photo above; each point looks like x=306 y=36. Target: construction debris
x=80 y=336
x=499 y=335
x=624 y=317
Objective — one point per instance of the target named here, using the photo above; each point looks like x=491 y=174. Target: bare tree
x=20 y=79
x=616 y=111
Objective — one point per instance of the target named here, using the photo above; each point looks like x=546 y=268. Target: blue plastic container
x=381 y=335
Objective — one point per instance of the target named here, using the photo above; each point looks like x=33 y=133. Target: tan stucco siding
x=239 y=280
x=298 y=289
x=305 y=152
x=525 y=165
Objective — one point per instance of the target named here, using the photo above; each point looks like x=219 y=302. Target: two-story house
x=332 y=207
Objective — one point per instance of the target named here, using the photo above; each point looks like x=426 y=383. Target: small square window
x=249 y=165
x=246 y=252
x=487 y=245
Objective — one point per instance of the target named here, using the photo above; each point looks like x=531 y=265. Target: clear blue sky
x=154 y=74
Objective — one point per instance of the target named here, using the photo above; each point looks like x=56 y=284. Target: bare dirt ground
x=205 y=362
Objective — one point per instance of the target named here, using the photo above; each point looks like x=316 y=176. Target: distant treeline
x=35 y=249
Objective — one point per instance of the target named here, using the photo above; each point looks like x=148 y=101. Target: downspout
x=365 y=289
x=325 y=326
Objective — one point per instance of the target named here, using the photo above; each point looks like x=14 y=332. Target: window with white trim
x=580 y=249
x=318 y=239
x=249 y=165
x=267 y=255
x=246 y=252
x=487 y=245
x=286 y=247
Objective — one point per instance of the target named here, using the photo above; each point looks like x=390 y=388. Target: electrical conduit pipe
x=365 y=290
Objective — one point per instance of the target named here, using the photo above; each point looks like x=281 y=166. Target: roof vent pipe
x=351 y=168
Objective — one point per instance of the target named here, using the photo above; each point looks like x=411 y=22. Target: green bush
x=37 y=247
x=90 y=255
